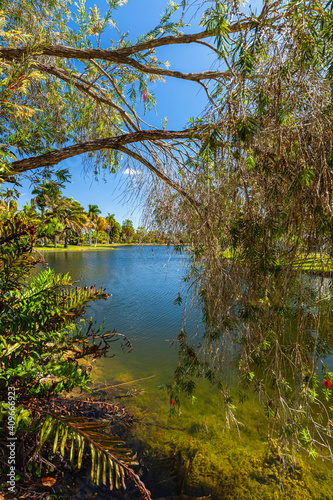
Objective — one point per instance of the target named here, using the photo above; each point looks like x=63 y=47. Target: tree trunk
x=108 y=236
x=55 y=241
x=66 y=240
x=90 y=237
x=79 y=238
x=96 y=238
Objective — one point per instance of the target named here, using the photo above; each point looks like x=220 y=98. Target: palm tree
x=74 y=218
x=56 y=216
x=110 y=219
x=84 y=225
x=8 y=203
x=47 y=193
x=100 y=225
x=93 y=213
x=128 y=228
x=8 y=199
x=49 y=196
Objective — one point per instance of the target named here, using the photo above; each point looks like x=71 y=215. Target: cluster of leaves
x=73 y=100
x=28 y=126
x=46 y=350
x=252 y=186
x=262 y=182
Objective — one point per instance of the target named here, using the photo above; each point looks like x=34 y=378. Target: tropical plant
x=111 y=225
x=56 y=219
x=116 y=232
x=100 y=225
x=8 y=200
x=74 y=218
x=42 y=345
x=52 y=204
x=51 y=227
x=141 y=234
x=50 y=188
x=93 y=213
x=128 y=229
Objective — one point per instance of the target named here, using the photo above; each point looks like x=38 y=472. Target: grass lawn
x=309 y=263
x=313 y=262
x=84 y=248
x=75 y=248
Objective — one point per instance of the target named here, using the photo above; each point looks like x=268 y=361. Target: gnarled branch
x=58 y=155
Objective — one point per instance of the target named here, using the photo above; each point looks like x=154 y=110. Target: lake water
x=144 y=282
x=204 y=457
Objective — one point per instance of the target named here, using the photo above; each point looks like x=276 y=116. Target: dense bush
x=43 y=342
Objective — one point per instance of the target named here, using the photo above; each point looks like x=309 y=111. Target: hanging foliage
x=261 y=225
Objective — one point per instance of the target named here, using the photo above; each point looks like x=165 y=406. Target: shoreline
x=84 y=248
x=74 y=248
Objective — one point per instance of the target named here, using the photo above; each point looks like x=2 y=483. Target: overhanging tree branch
x=84 y=86
x=61 y=51
x=55 y=157
x=179 y=39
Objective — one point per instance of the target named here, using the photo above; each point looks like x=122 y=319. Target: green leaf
x=46 y=430
x=56 y=437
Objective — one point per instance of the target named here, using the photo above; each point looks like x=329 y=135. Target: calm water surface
x=144 y=282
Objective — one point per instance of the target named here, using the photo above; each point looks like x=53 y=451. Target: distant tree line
x=63 y=220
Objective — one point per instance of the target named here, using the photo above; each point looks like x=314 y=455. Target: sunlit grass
x=85 y=248
x=74 y=248
x=305 y=262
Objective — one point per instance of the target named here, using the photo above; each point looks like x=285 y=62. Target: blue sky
x=176 y=99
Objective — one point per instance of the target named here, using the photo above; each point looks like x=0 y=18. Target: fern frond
x=107 y=452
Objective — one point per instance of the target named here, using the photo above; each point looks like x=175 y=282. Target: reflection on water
x=203 y=456
x=144 y=282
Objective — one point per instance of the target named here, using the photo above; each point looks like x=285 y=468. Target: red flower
x=172 y=402
x=145 y=96
x=327 y=383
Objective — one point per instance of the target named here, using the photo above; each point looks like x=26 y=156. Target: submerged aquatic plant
x=261 y=224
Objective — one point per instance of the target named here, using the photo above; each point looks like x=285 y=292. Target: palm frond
x=107 y=452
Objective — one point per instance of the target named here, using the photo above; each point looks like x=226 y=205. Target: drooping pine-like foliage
x=262 y=220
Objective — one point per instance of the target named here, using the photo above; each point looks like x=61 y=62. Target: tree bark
x=63 y=51
x=58 y=155
x=66 y=240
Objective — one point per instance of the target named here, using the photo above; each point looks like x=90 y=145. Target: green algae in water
x=196 y=454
